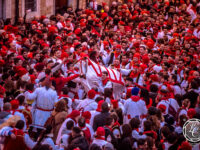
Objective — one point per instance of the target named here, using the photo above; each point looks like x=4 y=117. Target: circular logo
x=191 y=130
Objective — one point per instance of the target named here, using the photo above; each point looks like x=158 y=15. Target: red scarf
x=105 y=81
x=135 y=98
x=117 y=54
x=179 y=70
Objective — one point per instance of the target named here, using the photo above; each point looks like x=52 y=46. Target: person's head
x=109 y=121
x=19 y=124
x=134 y=123
x=104 y=107
x=142 y=144
x=165 y=131
x=126 y=130
x=69 y=125
x=11 y=122
x=172 y=137
x=60 y=106
x=186 y=103
x=7 y=106
x=42 y=147
x=135 y=91
x=65 y=90
x=107 y=92
x=94 y=147
x=104 y=75
x=81 y=122
x=147 y=125
x=21 y=99
x=76 y=131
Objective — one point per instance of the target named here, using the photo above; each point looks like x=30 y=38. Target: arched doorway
x=3 y=9
x=60 y=6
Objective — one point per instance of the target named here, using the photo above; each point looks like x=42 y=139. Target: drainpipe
x=77 y=4
x=16 y=11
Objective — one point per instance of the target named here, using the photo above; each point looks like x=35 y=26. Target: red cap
x=74 y=114
x=91 y=94
x=145 y=59
x=99 y=105
x=77 y=31
x=191 y=113
x=100 y=132
x=86 y=115
x=162 y=108
x=39 y=67
x=22 y=71
x=154 y=77
x=2 y=90
x=185 y=146
x=119 y=46
x=115 y=104
x=15 y=104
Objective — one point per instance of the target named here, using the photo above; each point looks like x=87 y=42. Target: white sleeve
x=125 y=71
x=108 y=85
x=33 y=95
x=28 y=141
x=137 y=136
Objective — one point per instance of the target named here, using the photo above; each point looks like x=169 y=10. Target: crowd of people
x=154 y=44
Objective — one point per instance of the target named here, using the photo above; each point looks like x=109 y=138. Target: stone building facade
x=10 y=8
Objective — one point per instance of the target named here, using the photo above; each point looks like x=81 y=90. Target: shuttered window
x=31 y=4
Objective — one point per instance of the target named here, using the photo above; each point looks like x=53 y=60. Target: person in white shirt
x=45 y=98
x=89 y=103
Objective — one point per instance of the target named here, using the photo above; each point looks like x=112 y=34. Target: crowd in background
x=154 y=44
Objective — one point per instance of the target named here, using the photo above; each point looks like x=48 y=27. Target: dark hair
x=77 y=130
x=94 y=147
x=104 y=107
x=21 y=99
x=134 y=123
x=20 y=124
x=145 y=95
x=60 y=106
x=154 y=88
x=107 y=92
x=42 y=147
x=126 y=130
x=194 y=85
x=81 y=122
x=109 y=120
x=147 y=125
x=165 y=131
x=69 y=125
x=172 y=137
x=65 y=90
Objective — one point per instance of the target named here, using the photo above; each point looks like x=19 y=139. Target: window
x=30 y=4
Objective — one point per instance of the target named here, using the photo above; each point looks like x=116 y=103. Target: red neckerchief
x=64 y=95
x=151 y=132
x=179 y=70
x=107 y=50
x=116 y=124
x=30 y=91
x=150 y=69
x=137 y=130
x=135 y=98
x=133 y=75
x=13 y=111
x=117 y=66
x=105 y=81
x=18 y=131
x=117 y=54
x=100 y=138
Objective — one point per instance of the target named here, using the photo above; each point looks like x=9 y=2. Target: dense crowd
x=44 y=101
